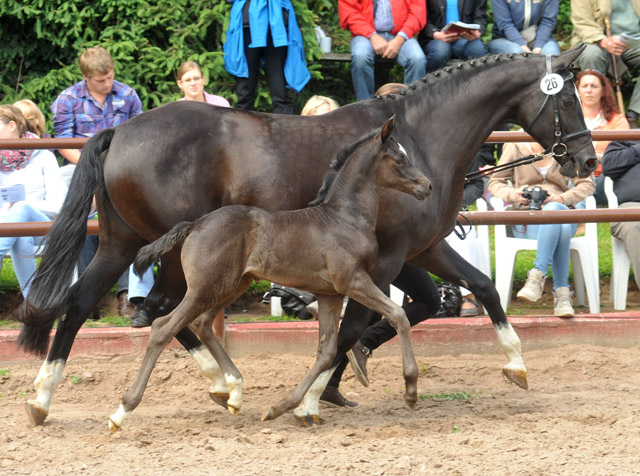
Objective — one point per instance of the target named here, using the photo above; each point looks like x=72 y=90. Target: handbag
x=529 y=33
x=450 y=301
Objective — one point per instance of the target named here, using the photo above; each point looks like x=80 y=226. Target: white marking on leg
x=310 y=403
x=210 y=369
x=234 y=385
x=117 y=419
x=510 y=344
x=46 y=383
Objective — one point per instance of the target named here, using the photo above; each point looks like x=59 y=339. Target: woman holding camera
x=518 y=186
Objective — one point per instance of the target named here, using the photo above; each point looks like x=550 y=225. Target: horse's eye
x=400 y=160
x=567 y=102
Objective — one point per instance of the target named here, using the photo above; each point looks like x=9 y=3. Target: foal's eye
x=400 y=160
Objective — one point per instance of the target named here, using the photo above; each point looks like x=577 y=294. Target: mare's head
x=393 y=167
x=551 y=112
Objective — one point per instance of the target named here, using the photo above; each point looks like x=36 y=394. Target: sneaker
x=472 y=307
x=562 y=303
x=332 y=397
x=358 y=356
x=532 y=290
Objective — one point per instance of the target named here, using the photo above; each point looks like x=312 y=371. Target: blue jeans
x=439 y=52
x=129 y=281
x=410 y=57
x=23 y=248
x=553 y=245
x=502 y=45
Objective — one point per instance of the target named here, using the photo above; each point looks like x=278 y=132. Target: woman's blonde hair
x=390 y=88
x=10 y=113
x=186 y=67
x=33 y=115
x=96 y=60
x=315 y=102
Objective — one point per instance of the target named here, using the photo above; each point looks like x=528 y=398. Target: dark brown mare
x=327 y=249
x=183 y=160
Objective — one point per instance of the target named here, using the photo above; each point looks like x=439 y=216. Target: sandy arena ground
x=580 y=417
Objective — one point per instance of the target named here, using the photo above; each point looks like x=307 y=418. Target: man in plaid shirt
x=95 y=103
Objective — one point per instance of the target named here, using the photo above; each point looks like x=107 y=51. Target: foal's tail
x=50 y=287
x=150 y=253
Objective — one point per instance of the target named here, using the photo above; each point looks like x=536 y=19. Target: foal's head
x=392 y=164
x=395 y=168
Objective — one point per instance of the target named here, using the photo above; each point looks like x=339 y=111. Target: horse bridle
x=557 y=150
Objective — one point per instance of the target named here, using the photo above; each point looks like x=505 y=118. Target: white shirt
x=44 y=188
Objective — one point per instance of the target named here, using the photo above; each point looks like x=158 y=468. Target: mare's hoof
x=233 y=410
x=519 y=377
x=220 y=398
x=36 y=414
x=307 y=421
x=411 y=401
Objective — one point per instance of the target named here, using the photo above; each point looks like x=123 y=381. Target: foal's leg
x=167 y=292
x=363 y=290
x=162 y=331
x=329 y=308
x=448 y=264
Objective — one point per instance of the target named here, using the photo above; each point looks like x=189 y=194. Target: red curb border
x=450 y=336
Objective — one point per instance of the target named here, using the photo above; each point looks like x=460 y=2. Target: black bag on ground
x=293 y=301
x=451 y=301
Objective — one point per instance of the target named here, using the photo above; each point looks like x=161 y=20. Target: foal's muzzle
x=423 y=190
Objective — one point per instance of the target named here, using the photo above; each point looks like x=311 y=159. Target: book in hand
x=631 y=40
x=459 y=27
x=13 y=193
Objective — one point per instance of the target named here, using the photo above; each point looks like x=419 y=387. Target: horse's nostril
x=592 y=164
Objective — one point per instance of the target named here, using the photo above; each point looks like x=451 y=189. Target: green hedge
x=149 y=39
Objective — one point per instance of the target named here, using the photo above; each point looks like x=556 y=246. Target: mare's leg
x=364 y=290
x=117 y=249
x=227 y=387
x=329 y=308
x=446 y=263
x=167 y=292
x=162 y=331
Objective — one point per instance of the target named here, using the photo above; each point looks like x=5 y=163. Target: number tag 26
x=551 y=84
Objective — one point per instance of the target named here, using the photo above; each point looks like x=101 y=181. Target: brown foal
x=327 y=249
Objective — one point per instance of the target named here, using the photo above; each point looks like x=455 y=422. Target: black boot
x=141 y=318
x=332 y=397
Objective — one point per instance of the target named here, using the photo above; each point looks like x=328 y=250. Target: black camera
x=536 y=196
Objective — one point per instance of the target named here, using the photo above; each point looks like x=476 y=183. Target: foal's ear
x=387 y=129
x=568 y=57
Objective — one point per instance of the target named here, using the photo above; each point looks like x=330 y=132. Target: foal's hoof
x=519 y=377
x=233 y=410
x=268 y=414
x=36 y=414
x=220 y=398
x=307 y=421
x=113 y=426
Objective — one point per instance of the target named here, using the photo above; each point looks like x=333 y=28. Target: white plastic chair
x=621 y=263
x=584 y=259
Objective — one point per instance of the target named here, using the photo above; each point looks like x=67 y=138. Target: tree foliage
x=148 y=40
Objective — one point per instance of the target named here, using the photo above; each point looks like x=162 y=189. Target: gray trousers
x=594 y=57
x=629 y=233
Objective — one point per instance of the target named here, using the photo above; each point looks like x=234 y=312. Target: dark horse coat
x=182 y=160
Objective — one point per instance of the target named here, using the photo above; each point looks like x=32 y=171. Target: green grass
x=75 y=379
x=4 y=372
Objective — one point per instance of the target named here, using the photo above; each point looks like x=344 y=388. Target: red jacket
x=409 y=16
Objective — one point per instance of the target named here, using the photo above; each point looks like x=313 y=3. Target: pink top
x=213 y=99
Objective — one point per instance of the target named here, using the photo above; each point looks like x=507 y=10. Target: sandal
x=470 y=311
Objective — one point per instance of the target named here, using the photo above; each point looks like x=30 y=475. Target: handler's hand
x=379 y=43
x=393 y=47
x=614 y=45
x=525 y=48
x=520 y=198
x=552 y=197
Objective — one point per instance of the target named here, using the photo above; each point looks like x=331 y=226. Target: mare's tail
x=48 y=295
x=150 y=253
